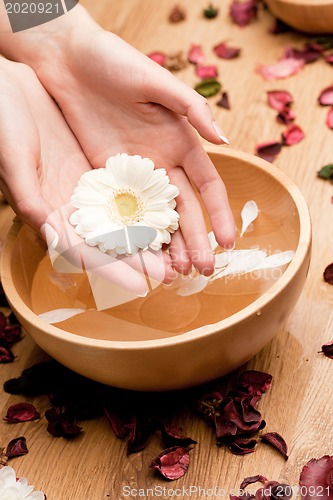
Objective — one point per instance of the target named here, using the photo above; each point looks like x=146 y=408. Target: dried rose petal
x=316 y=475
x=171 y=437
x=208 y=87
x=279 y=27
x=282 y=69
x=286 y=117
x=277 y=441
x=21 y=412
x=3 y=321
x=255 y=382
x=6 y=355
x=61 y=425
x=268 y=150
x=158 y=57
x=205 y=72
x=120 y=423
x=17 y=447
x=311 y=52
x=239 y=446
x=223 y=51
x=195 y=54
x=292 y=135
x=224 y=101
x=175 y=61
x=326 y=97
x=279 y=99
x=329 y=58
x=172 y=463
x=177 y=14
x=251 y=480
x=327 y=349
x=243 y=12
x=328 y=274
x=329 y=118
x=140 y=431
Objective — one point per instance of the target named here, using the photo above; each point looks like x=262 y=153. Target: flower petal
x=292 y=135
x=281 y=69
x=279 y=99
x=326 y=97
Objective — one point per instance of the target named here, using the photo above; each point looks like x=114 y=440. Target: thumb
x=164 y=88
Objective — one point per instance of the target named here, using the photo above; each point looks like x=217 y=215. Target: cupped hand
x=115 y=99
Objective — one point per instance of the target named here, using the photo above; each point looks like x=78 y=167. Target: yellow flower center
x=126 y=206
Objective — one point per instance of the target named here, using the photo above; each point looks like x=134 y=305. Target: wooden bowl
x=165 y=341
x=310 y=16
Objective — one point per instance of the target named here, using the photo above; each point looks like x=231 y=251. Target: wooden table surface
x=299 y=403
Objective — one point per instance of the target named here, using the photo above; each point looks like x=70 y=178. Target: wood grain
x=299 y=404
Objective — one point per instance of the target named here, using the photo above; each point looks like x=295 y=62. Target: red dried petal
x=61 y=425
x=6 y=355
x=158 y=57
x=329 y=118
x=326 y=97
x=328 y=274
x=139 y=435
x=17 y=447
x=21 y=412
x=224 y=101
x=239 y=446
x=11 y=334
x=327 y=349
x=316 y=475
x=223 y=51
x=120 y=423
x=279 y=99
x=282 y=69
x=172 y=463
x=3 y=321
x=171 y=437
x=286 y=117
x=311 y=52
x=195 y=54
x=277 y=441
x=268 y=150
x=177 y=14
x=292 y=135
x=279 y=27
x=329 y=58
x=243 y=12
x=255 y=382
x=251 y=480
x=206 y=71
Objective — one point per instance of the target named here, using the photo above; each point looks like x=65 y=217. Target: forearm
x=45 y=42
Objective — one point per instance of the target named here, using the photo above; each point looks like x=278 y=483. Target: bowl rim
x=192 y=335
x=302 y=3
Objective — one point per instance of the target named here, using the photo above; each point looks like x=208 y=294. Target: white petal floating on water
x=224 y=258
x=57 y=315
x=244 y=263
x=193 y=286
x=212 y=240
x=249 y=213
x=275 y=260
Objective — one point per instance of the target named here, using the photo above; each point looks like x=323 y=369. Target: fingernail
x=51 y=236
x=144 y=294
x=220 y=134
x=230 y=248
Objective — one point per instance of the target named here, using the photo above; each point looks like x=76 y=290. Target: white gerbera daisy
x=10 y=489
x=126 y=206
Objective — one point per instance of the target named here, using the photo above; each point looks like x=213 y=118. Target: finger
x=202 y=173
x=179 y=254
x=192 y=224
x=156 y=265
x=164 y=88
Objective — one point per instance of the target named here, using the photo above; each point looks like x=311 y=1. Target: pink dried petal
x=268 y=150
x=223 y=51
x=279 y=99
x=206 y=71
x=282 y=69
x=277 y=441
x=329 y=58
x=6 y=355
x=251 y=480
x=317 y=476
x=327 y=349
x=326 y=97
x=172 y=463
x=329 y=118
x=195 y=54
x=158 y=57
x=17 y=447
x=239 y=446
x=286 y=117
x=224 y=101
x=21 y=412
x=311 y=52
x=292 y=135
x=255 y=382
x=171 y=437
x=243 y=12
x=328 y=274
